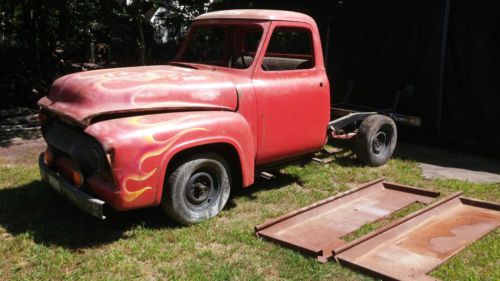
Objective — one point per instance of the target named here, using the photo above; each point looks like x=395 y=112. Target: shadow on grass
x=420 y=153
x=279 y=181
x=345 y=156
x=36 y=210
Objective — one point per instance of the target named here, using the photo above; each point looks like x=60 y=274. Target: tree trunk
x=142 y=43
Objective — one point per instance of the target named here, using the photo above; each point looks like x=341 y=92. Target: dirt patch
x=436 y=172
x=20 y=137
x=441 y=163
x=21 y=151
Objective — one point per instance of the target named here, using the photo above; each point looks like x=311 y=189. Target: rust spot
x=418 y=243
x=447 y=234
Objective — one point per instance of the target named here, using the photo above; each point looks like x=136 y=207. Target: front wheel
x=376 y=140
x=198 y=189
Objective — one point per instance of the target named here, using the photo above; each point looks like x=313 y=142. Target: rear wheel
x=376 y=140
x=198 y=189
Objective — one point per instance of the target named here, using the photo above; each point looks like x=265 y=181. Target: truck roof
x=254 y=14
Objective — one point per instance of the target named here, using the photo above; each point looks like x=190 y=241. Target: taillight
x=48 y=157
x=68 y=168
x=77 y=178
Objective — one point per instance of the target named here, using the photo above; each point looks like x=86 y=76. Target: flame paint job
x=143 y=146
x=130 y=196
x=265 y=117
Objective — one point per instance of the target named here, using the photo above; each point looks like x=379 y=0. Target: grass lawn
x=44 y=238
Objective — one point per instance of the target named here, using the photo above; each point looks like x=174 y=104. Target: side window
x=289 y=49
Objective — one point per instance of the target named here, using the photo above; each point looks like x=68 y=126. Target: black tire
x=198 y=189
x=376 y=140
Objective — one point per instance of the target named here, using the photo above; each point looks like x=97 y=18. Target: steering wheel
x=242 y=56
x=234 y=60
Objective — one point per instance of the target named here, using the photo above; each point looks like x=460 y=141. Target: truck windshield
x=223 y=45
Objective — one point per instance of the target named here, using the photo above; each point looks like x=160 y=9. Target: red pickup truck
x=247 y=89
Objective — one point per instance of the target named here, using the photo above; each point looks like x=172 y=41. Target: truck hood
x=85 y=95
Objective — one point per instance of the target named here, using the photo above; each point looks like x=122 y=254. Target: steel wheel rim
x=381 y=142
x=202 y=189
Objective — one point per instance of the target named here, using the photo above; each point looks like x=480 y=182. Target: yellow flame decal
x=138 y=121
x=166 y=144
x=130 y=196
x=137 y=177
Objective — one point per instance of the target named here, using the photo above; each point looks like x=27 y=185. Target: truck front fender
x=142 y=148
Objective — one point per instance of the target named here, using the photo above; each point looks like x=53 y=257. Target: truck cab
x=276 y=61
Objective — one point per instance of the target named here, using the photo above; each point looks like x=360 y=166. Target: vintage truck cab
x=248 y=88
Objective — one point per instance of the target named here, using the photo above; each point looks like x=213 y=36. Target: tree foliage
x=43 y=39
x=320 y=10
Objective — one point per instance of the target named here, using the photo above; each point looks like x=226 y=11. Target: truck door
x=292 y=93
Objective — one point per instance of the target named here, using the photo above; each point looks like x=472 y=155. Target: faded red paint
x=84 y=95
x=264 y=116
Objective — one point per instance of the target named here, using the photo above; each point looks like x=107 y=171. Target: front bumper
x=83 y=201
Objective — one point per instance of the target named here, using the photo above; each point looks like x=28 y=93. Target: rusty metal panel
x=318 y=229
x=413 y=246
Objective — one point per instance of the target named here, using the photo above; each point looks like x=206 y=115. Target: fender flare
x=246 y=157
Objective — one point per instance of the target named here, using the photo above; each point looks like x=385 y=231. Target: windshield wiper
x=180 y=64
